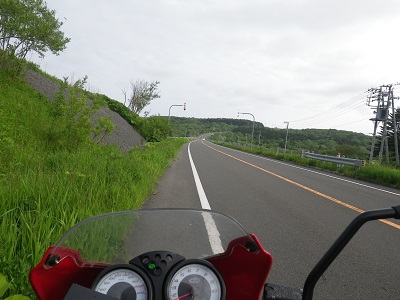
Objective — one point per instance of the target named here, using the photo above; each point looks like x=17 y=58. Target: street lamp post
x=169 y=112
x=252 y=133
x=287 y=130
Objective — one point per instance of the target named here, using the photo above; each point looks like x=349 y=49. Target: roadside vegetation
x=153 y=128
x=270 y=142
x=4 y=285
x=383 y=175
x=239 y=132
x=26 y=27
x=54 y=170
x=52 y=173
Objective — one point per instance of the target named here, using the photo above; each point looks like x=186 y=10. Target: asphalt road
x=297 y=213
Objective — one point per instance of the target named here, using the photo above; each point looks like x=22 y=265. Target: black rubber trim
x=397 y=210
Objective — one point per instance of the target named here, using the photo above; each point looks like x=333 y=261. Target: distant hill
x=324 y=141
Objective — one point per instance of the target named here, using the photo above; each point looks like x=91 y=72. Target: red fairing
x=244 y=272
x=54 y=282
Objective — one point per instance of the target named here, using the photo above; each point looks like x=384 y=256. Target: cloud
x=278 y=59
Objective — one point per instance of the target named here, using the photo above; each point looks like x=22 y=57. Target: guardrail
x=335 y=159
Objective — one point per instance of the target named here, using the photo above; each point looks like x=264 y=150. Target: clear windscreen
x=119 y=237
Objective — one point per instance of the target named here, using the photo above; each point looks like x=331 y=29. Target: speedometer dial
x=195 y=279
x=123 y=282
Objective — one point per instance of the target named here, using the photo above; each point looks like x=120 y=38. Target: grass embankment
x=46 y=189
x=383 y=175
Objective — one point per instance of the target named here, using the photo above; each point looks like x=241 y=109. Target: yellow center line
x=303 y=186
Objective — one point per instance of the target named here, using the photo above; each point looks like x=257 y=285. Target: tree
x=143 y=93
x=28 y=25
x=390 y=134
x=390 y=129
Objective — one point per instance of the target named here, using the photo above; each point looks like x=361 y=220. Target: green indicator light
x=152 y=266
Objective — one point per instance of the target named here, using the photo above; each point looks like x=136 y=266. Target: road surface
x=297 y=213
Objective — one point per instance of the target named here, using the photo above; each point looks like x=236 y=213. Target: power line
x=333 y=115
x=337 y=110
x=361 y=120
x=341 y=109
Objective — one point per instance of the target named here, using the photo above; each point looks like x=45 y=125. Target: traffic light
x=184 y=106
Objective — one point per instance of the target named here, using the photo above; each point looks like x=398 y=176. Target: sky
x=306 y=62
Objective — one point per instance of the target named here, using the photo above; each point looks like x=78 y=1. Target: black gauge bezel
x=187 y=262
x=133 y=268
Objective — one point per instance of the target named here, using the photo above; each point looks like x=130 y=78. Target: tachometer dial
x=123 y=282
x=195 y=279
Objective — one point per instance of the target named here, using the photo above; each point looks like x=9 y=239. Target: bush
x=155 y=128
x=71 y=126
x=294 y=158
x=11 y=66
x=132 y=118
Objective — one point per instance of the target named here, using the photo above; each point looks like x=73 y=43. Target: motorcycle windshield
x=118 y=237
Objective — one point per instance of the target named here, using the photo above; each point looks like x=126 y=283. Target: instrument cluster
x=161 y=275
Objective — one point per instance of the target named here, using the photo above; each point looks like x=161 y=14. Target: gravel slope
x=123 y=135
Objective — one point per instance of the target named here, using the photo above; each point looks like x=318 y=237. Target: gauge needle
x=183 y=296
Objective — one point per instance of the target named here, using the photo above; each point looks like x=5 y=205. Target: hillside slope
x=123 y=135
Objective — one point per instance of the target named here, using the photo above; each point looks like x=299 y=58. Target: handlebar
x=341 y=242
x=273 y=291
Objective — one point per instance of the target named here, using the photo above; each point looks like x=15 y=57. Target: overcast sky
x=308 y=62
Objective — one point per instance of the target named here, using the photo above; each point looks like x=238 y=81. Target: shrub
x=132 y=118
x=154 y=128
x=71 y=126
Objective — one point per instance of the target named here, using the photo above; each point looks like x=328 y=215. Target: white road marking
x=213 y=234
x=212 y=231
x=312 y=171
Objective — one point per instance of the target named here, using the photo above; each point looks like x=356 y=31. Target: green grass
x=383 y=175
x=45 y=190
x=4 y=285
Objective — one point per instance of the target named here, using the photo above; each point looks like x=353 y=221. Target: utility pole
x=384 y=97
x=395 y=128
x=287 y=131
x=384 y=134
x=372 y=98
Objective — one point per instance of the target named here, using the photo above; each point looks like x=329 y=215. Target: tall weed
x=53 y=176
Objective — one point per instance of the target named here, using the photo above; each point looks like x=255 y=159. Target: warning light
x=184 y=106
x=152 y=266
